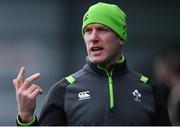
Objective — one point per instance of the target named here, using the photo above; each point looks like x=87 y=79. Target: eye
x=101 y=29
x=87 y=30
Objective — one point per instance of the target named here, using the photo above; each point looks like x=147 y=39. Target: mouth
x=96 y=48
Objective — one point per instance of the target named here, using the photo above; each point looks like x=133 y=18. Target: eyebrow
x=102 y=26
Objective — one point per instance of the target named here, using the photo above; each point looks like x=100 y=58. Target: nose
x=94 y=37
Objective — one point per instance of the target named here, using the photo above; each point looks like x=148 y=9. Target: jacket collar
x=120 y=67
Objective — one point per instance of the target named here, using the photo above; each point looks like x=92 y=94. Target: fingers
x=33 y=91
x=18 y=82
x=36 y=92
x=15 y=84
x=34 y=87
x=28 y=95
x=20 y=77
x=29 y=80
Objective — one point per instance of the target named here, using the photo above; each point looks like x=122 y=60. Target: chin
x=97 y=61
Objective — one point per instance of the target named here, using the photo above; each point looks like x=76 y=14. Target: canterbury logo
x=84 y=95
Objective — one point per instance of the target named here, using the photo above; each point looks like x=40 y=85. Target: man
x=105 y=91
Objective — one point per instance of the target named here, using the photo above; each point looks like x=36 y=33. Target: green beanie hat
x=109 y=15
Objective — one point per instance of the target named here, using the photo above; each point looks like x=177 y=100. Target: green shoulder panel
x=144 y=79
x=70 y=79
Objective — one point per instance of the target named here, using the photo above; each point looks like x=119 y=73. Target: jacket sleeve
x=33 y=122
x=161 y=116
x=53 y=109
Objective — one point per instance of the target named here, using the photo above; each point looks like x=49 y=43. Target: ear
x=121 y=41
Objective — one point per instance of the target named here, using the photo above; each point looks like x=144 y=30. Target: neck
x=119 y=59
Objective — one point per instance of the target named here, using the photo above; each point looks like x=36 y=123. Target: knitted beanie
x=109 y=15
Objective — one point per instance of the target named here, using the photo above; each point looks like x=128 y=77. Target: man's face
x=103 y=45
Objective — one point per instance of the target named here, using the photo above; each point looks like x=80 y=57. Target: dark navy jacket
x=95 y=96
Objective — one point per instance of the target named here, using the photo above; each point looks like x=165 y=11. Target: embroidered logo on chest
x=84 y=95
x=137 y=95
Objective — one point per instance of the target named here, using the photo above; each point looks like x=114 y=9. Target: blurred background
x=45 y=36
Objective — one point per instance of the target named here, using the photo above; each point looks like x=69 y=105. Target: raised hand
x=26 y=93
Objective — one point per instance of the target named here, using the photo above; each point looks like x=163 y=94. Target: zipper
x=110 y=84
x=111 y=93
